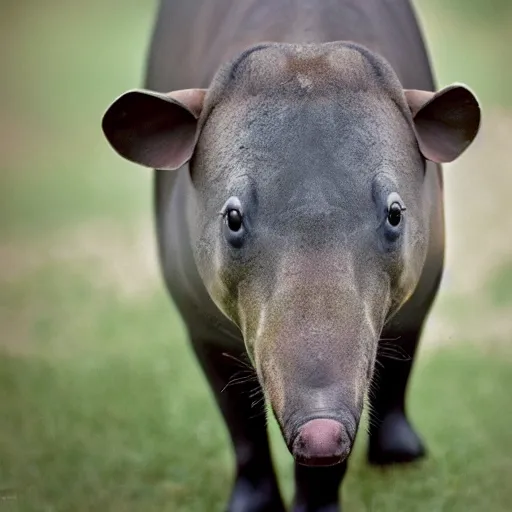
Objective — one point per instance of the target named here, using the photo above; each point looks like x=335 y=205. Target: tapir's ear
x=154 y=129
x=446 y=122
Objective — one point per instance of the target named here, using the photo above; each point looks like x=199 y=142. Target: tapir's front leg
x=392 y=438
x=255 y=488
x=317 y=488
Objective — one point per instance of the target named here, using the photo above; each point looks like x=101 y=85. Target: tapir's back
x=193 y=38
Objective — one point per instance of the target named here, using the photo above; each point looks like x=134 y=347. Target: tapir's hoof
x=255 y=497
x=395 y=442
x=327 y=508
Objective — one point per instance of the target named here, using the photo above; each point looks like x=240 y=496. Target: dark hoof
x=255 y=497
x=324 y=508
x=395 y=442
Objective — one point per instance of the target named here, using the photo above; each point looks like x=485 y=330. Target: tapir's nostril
x=321 y=442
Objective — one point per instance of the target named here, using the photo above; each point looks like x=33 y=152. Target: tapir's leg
x=392 y=438
x=236 y=390
x=317 y=488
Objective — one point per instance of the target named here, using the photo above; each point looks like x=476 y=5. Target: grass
x=500 y=287
x=110 y=412
x=102 y=404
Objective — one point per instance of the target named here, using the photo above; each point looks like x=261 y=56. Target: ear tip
x=466 y=97
x=472 y=103
x=115 y=113
x=127 y=95
x=447 y=123
x=466 y=92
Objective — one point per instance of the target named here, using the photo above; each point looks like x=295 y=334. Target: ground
x=103 y=405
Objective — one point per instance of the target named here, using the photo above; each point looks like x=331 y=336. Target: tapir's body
x=303 y=226
x=192 y=39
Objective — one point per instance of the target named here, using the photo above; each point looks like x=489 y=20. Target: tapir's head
x=308 y=212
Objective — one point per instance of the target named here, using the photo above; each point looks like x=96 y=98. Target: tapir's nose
x=321 y=442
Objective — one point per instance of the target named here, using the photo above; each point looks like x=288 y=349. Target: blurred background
x=102 y=406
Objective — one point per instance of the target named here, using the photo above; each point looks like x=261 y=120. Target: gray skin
x=311 y=144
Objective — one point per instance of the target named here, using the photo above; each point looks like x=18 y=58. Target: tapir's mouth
x=322 y=442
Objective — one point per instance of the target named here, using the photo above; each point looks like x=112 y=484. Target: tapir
x=299 y=216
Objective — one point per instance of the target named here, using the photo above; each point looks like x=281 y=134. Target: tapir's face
x=309 y=225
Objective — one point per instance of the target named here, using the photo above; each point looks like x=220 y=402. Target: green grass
x=103 y=406
x=110 y=412
x=500 y=287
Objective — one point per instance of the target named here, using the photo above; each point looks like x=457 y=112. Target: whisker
x=390 y=339
x=239 y=361
x=259 y=408
x=255 y=392
x=236 y=379
x=380 y=363
x=396 y=353
x=257 y=402
x=387 y=348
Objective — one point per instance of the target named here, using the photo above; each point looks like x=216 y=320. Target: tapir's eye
x=395 y=213
x=233 y=222
x=234 y=219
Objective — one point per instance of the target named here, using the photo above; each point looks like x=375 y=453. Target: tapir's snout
x=321 y=442
x=314 y=345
